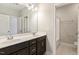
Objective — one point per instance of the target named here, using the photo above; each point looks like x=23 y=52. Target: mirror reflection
x=16 y=18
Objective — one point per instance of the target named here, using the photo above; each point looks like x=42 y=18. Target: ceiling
x=61 y=4
x=14 y=6
x=18 y=7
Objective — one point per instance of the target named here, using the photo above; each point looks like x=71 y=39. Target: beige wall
x=68 y=22
x=46 y=23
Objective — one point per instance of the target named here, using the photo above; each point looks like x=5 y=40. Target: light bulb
x=36 y=8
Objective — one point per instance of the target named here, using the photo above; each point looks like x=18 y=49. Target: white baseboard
x=48 y=53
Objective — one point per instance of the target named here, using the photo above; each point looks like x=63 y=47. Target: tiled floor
x=64 y=49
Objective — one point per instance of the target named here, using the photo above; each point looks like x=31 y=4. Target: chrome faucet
x=34 y=33
x=9 y=35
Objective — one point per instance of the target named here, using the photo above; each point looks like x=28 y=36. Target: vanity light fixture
x=34 y=9
x=28 y=5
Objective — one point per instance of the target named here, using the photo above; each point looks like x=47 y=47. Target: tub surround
x=19 y=38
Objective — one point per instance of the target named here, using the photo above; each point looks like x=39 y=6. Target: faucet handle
x=9 y=32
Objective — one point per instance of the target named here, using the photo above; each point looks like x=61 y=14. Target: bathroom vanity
x=19 y=33
x=29 y=46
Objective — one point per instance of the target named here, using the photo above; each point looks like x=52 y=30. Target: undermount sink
x=3 y=40
x=9 y=40
x=18 y=38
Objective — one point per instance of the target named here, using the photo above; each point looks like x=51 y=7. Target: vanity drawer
x=33 y=49
x=13 y=48
x=32 y=42
x=24 y=51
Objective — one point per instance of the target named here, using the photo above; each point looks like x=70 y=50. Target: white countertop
x=19 y=38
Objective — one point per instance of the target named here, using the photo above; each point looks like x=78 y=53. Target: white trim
x=54 y=30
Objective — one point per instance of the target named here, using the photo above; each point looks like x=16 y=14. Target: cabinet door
x=41 y=47
x=33 y=49
x=13 y=48
x=22 y=52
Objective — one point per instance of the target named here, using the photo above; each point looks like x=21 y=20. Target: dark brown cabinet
x=32 y=47
x=41 y=45
x=24 y=51
x=13 y=48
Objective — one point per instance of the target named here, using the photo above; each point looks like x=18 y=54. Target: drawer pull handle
x=33 y=50
x=42 y=44
x=2 y=52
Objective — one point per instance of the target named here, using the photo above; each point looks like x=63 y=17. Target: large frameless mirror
x=16 y=18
